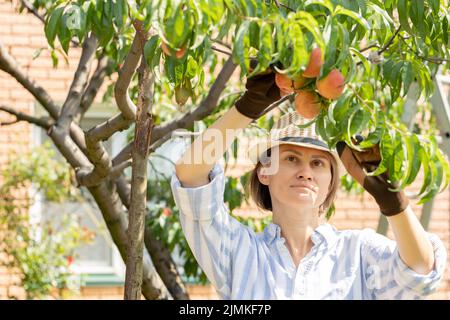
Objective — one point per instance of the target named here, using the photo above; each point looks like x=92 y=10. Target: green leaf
x=320 y=126
x=395 y=166
x=266 y=48
x=354 y=15
x=120 y=14
x=52 y=25
x=402 y=9
x=82 y=23
x=107 y=13
x=150 y=48
x=345 y=42
x=445 y=36
x=280 y=41
x=54 y=58
x=348 y=123
x=362 y=58
x=413 y=150
x=325 y=3
x=420 y=12
x=356 y=121
x=176 y=26
x=331 y=34
x=446 y=168
x=407 y=76
x=241 y=47
x=214 y=11
x=155 y=63
x=299 y=54
x=372 y=139
x=307 y=21
x=341 y=107
x=437 y=174
x=426 y=170
x=64 y=35
x=254 y=34
x=434 y=4
x=386 y=151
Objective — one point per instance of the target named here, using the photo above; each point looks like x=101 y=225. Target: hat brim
x=256 y=150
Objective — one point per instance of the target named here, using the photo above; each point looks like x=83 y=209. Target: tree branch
x=205 y=108
x=11 y=66
x=125 y=153
x=390 y=41
x=136 y=213
x=96 y=152
x=221 y=51
x=40 y=122
x=107 y=200
x=116 y=171
x=94 y=85
x=8 y=123
x=32 y=10
x=71 y=107
x=161 y=256
x=436 y=60
x=369 y=47
x=279 y=4
x=105 y=195
x=126 y=106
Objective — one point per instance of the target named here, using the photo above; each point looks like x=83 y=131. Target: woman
x=298 y=256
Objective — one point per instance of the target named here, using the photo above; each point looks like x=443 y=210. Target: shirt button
x=301 y=287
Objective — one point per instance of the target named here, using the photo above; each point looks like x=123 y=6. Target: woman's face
x=303 y=177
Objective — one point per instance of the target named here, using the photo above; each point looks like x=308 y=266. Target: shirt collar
x=323 y=233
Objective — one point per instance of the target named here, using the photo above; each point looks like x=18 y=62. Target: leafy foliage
x=381 y=47
x=407 y=41
x=41 y=251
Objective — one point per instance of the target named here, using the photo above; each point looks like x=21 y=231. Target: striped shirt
x=242 y=264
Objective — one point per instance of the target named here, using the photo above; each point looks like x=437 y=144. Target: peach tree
x=346 y=65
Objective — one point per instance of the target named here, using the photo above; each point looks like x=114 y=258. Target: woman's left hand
x=390 y=203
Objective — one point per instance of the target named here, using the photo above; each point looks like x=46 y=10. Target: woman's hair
x=261 y=194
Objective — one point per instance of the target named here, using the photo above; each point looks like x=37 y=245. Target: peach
x=315 y=63
x=182 y=94
x=307 y=104
x=178 y=54
x=332 y=85
x=284 y=93
x=299 y=82
x=284 y=82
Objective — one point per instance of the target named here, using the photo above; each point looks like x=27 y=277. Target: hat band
x=305 y=140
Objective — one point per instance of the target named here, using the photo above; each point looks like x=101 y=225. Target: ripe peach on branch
x=332 y=85
x=284 y=83
x=314 y=65
x=179 y=53
x=308 y=104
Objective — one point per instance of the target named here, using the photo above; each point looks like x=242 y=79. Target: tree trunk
x=142 y=137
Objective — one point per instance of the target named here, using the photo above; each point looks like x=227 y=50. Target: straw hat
x=286 y=131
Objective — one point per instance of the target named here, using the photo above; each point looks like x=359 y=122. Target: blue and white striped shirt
x=349 y=264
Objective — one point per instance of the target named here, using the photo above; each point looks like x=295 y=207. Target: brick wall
x=23 y=34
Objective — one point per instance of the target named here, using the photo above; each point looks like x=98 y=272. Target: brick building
x=22 y=35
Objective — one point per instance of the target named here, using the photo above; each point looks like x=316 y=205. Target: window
x=100 y=262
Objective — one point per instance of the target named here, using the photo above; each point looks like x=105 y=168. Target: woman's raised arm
x=194 y=166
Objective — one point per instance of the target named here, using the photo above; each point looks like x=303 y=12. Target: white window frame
x=117 y=268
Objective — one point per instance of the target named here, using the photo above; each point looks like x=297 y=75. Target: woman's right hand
x=261 y=92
